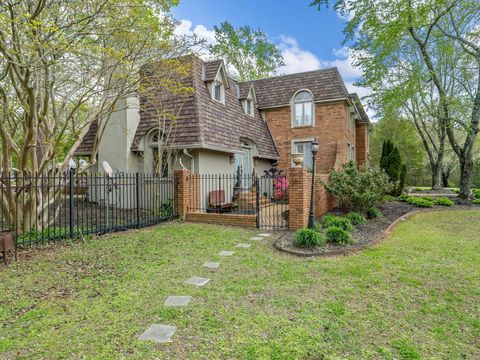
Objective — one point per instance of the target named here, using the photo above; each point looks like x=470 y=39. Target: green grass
x=417 y=295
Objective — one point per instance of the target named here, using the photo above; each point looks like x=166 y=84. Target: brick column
x=298 y=198
x=183 y=191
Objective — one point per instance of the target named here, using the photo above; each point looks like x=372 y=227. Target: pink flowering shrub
x=281 y=188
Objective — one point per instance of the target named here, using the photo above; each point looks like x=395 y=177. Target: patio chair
x=217 y=203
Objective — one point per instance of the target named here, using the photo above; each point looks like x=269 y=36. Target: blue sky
x=309 y=39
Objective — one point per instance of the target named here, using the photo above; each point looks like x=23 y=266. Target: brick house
x=226 y=124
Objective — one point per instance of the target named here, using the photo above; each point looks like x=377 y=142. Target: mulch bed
x=363 y=235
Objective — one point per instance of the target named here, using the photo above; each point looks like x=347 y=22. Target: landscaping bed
x=363 y=235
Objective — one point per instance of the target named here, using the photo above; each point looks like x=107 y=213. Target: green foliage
x=444 y=201
x=391 y=163
x=308 y=238
x=247 y=50
x=374 y=213
x=407 y=140
x=358 y=191
x=356 y=218
x=420 y=202
x=404 y=197
x=389 y=198
x=338 y=221
x=476 y=193
x=476 y=202
x=337 y=235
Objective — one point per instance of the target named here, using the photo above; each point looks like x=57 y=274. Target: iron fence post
x=71 y=221
x=137 y=197
x=257 y=201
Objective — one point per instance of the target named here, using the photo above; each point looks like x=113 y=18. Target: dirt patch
x=363 y=235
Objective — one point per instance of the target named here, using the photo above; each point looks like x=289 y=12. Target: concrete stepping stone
x=225 y=253
x=177 y=301
x=256 y=238
x=159 y=333
x=243 y=246
x=197 y=281
x=211 y=265
x=264 y=234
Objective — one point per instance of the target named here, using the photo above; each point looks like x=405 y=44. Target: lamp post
x=311 y=216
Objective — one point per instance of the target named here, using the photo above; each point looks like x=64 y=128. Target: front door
x=244 y=162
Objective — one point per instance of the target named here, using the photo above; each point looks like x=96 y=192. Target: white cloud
x=185 y=28
x=295 y=58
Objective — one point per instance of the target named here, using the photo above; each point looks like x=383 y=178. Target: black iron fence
x=50 y=207
x=264 y=197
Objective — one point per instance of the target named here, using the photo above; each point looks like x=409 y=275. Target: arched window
x=302 y=112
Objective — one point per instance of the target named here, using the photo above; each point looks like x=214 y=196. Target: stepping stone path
x=197 y=281
x=225 y=253
x=211 y=265
x=257 y=238
x=243 y=246
x=177 y=301
x=264 y=235
x=159 y=333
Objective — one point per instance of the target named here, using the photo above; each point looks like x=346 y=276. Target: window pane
x=298 y=114
x=218 y=89
x=307 y=116
x=303 y=96
x=306 y=149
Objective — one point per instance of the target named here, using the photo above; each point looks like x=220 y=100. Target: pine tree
x=391 y=163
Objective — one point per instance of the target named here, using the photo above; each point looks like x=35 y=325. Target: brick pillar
x=183 y=191
x=298 y=198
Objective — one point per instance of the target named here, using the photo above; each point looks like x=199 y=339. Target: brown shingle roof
x=211 y=69
x=360 y=108
x=325 y=84
x=86 y=146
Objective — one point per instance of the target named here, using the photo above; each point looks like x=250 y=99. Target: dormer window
x=218 y=91
x=249 y=107
x=302 y=109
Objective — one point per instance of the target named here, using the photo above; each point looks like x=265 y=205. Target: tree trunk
x=466 y=171
x=436 y=176
x=445 y=178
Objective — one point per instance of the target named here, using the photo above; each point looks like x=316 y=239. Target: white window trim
x=292 y=108
x=252 y=107
x=292 y=145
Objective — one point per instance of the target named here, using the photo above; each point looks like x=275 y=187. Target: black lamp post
x=311 y=216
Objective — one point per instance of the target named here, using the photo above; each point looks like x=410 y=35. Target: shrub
x=476 y=193
x=391 y=163
x=341 y=222
x=404 y=197
x=374 y=213
x=356 y=218
x=336 y=235
x=476 y=202
x=388 y=198
x=308 y=238
x=358 y=191
x=420 y=202
x=443 y=201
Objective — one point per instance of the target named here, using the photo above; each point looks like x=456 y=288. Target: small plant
x=404 y=197
x=308 y=238
x=337 y=235
x=420 y=202
x=389 y=198
x=356 y=218
x=443 y=201
x=374 y=213
x=476 y=193
x=476 y=202
x=341 y=222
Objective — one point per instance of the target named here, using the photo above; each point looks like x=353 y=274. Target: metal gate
x=272 y=202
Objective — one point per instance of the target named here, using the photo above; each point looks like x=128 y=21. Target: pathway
x=163 y=333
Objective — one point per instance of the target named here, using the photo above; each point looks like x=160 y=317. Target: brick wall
x=330 y=129
x=222 y=219
x=362 y=143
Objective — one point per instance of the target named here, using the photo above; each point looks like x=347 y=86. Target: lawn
x=416 y=295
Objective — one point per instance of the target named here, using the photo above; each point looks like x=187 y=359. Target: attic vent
x=157 y=137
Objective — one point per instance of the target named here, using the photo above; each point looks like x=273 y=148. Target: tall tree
x=248 y=51
x=64 y=65
x=424 y=38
